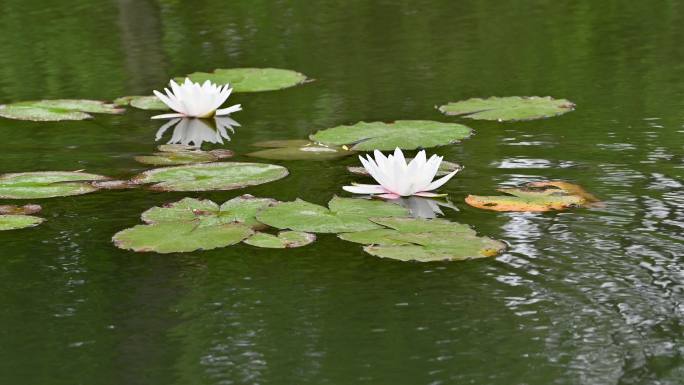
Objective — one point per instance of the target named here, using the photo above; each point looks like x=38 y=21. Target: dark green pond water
x=587 y=296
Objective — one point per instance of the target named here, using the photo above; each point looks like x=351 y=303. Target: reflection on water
x=194 y=132
x=424 y=207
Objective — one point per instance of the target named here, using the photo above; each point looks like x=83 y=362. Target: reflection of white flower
x=194 y=132
x=424 y=207
x=193 y=100
x=397 y=178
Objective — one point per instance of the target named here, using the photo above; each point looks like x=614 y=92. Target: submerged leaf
x=211 y=176
x=535 y=197
x=284 y=240
x=148 y=102
x=343 y=215
x=14 y=222
x=180 y=237
x=310 y=151
x=176 y=157
x=405 y=134
x=251 y=79
x=48 y=184
x=509 y=108
x=282 y=143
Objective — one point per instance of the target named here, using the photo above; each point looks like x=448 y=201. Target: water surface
x=588 y=296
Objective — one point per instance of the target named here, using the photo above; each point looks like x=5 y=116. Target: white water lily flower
x=192 y=100
x=397 y=178
x=194 y=132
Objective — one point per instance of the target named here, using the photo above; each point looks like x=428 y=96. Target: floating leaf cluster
x=193 y=224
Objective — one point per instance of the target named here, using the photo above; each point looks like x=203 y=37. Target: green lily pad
x=180 y=237
x=251 y=79
x=14 y=222
x=35 y=185
x=211 y=176
x=148 y=102
x=343 y=215
x=310 y=151
x=405 y=134
x=535 y=197
x=444 y=168
x=424 y=240
x=19 y=210
x=241 y=209
x=509 y=108
x=171 y=154
x=284 y=240
x=40 y=114
x=56 y=110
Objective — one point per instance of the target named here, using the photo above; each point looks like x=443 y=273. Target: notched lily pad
x=284 y=239
x=424 y=240
x=251 y=79
x=148 y=102
x=48 y=184
x=535 y=197
x=405 y=134
x=241 y=209
x=299 y=150
x=14 y=222
x=180 y=237
x=444 y=168
x=508 y=108
x=211 y=176
x=343 y=215
x=175 y=154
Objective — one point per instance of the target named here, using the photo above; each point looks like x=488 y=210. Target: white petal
x=229 y=110
x=439 y=182
x=168 y=116
x=365 y=189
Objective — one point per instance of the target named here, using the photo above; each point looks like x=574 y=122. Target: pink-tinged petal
x=229 y=110
x=389 y=196
x=425 y=194
x=365 y=189
x=439 y=182
x=167 y=116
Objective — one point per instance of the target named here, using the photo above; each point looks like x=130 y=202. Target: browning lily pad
x=535 y=197
x=241 y=209
x=444 y=168
x=14 y=222
x=284 y=240
x=424 y=240
x=148 y=102
x=211 y=176
x=180 y=237
x=170 y=155
x=56 y=110
x=48 y=184
x=343 y=215
x=405 y=134
x=508 y=108
x=251 y=79
x=19 y=210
